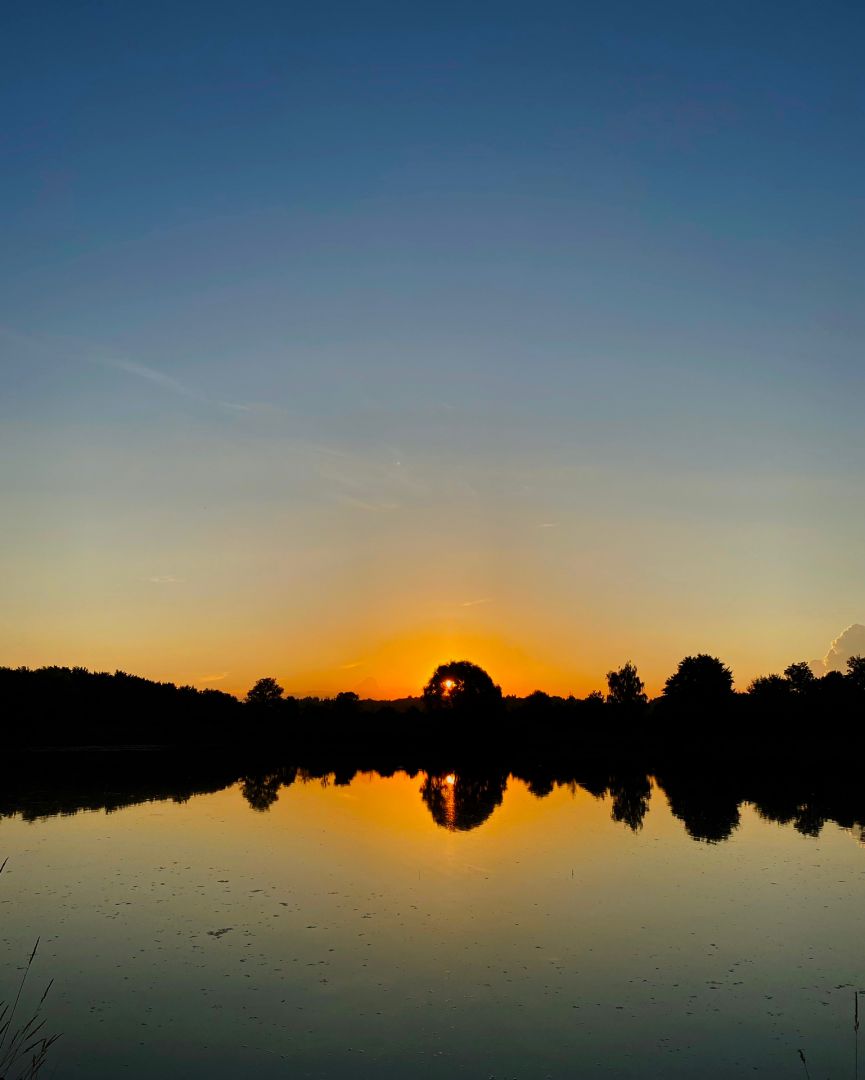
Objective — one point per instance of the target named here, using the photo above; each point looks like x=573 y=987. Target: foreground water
x=353 y=931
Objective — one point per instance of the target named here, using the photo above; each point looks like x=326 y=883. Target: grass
x=801 y=1053
x=23 y=1047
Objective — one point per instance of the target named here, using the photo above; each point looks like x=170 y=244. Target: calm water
x=346 y=931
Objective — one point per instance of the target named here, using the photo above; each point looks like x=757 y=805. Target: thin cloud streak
x=152 y=375
x=172 y=385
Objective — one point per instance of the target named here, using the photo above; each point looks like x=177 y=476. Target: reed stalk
x=23 y=1048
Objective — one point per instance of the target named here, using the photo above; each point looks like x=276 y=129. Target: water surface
x=403 y=927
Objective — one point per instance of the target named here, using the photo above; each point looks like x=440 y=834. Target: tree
x=265 y=694
x=346 y=704
x=700 y=680
x=461 y=685
x=800 y=676
x=833 y=691
x=625 y=686
x=856 y=672
x=539 y=698
x=771 y=690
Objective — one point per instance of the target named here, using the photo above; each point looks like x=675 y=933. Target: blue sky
x=333 y=310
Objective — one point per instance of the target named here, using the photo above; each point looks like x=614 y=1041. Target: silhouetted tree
x=800 y=676
x=462 y=685
x=700 y=681
x=266 y=693
x=856 y=673
x=538 y=699
x=834 y=692
x=771 y=691
x=346 y=708
x=625 y=686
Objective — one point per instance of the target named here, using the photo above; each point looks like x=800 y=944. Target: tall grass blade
x=23 y=1050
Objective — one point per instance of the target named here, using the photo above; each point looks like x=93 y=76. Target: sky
x=339 y=340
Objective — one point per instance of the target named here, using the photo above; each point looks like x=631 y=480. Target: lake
x=433 y=926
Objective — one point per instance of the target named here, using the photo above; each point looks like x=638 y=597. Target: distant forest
x=461 y=708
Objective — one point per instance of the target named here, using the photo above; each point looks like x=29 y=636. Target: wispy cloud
x=82 y=352
x=378 y=478
x=547 y=525
x=172 y=385
x=474 y=603
x=152 y=375
x=353 y=664
x=218 y=677
x=366 y=504
x=166 y=579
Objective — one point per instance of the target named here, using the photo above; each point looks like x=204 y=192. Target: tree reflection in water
x=460 y=801
x=706 y=798
x=261 y=790
x=630 y=795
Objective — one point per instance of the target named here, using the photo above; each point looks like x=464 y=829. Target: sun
x=447 y=685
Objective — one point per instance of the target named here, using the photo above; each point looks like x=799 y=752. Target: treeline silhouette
x=461 y=708
x=76 y=707
x=460 y=795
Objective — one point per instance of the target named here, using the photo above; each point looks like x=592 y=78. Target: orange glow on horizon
x=399 y=667
x=376 y=664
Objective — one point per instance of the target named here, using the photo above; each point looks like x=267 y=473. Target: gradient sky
x=341 y=339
